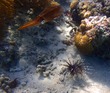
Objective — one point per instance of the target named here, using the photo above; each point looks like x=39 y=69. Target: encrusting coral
x=87 y=8
x=105 y=7
x=93 y=35
x=83 y=43
x=83 y=9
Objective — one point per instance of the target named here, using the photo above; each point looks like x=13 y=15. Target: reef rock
x=93 y=35
x=7 y=84
x=87 y=8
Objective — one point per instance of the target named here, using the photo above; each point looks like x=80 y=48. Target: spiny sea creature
x=47 y=15
x=13 y=83
x=75 y=68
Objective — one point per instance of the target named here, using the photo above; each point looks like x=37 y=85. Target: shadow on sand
x=98 y=70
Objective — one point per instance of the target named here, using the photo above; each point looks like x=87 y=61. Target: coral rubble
x=87 y=8
x=7 y=84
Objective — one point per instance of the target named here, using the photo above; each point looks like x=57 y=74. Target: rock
x=24 y=83
x=6 y=84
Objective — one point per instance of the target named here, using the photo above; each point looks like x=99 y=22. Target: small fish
x=47 y=15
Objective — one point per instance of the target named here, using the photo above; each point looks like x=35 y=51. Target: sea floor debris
x=7 y=84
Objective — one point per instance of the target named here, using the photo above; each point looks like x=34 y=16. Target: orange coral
x=84 y=37
x=83 y=43
x=49 y=13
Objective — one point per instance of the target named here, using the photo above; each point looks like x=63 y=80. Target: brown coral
x=85 y=9
x=83 y=43
x=92 y=34
x=84 y=37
